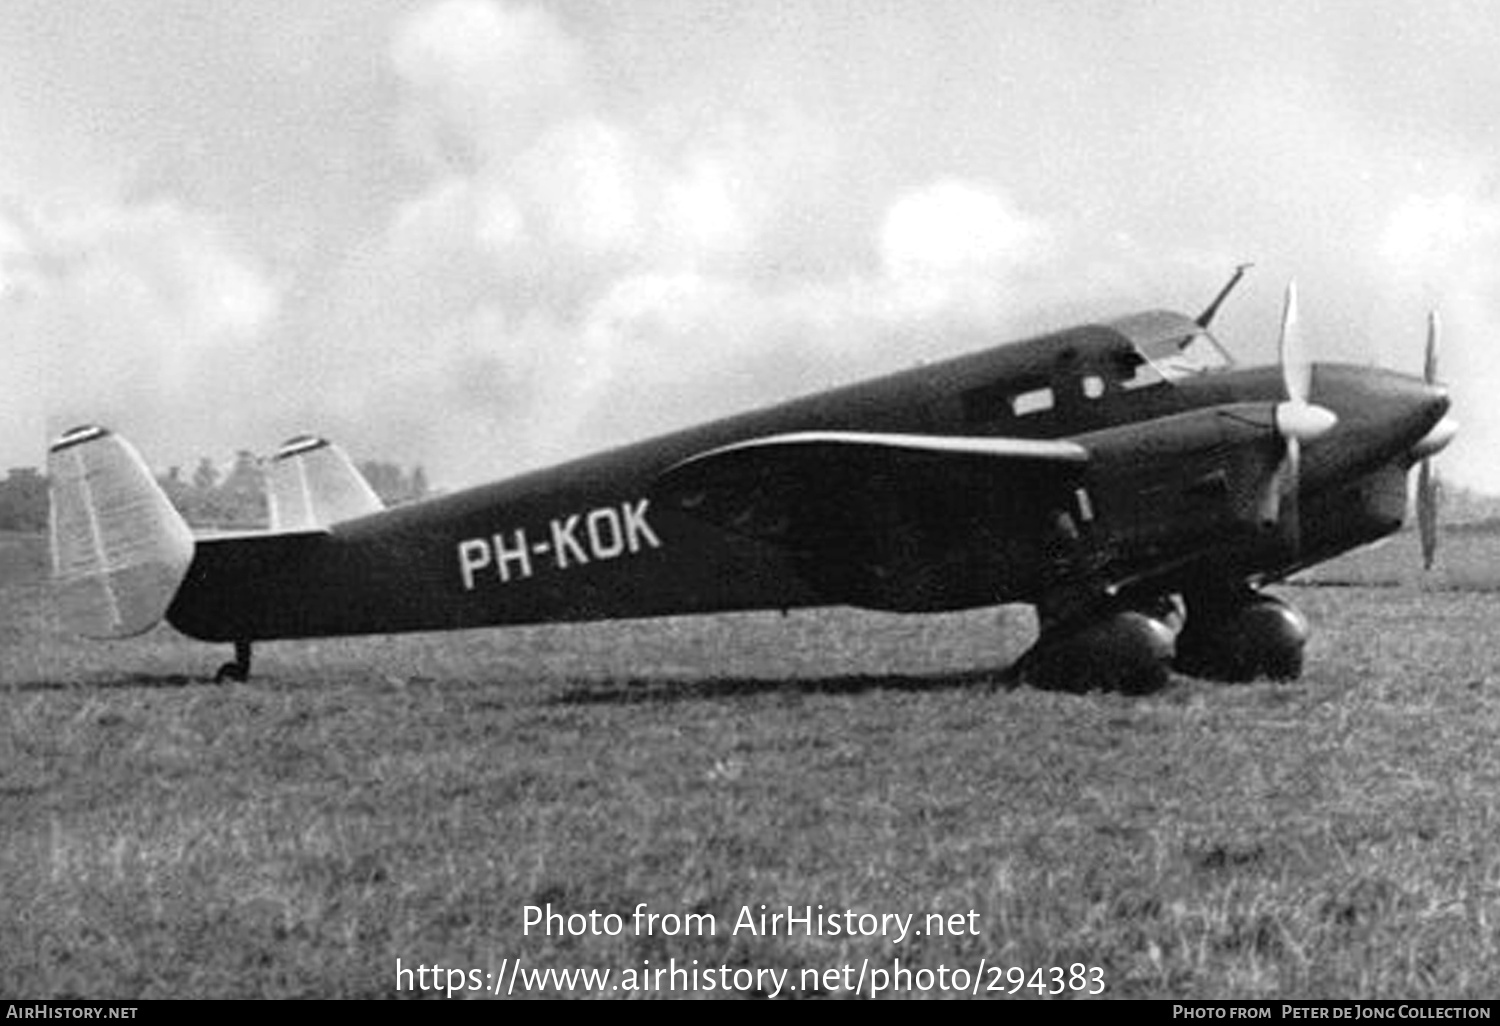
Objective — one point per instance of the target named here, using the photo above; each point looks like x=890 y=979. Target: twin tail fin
x=119 y=548
x=312 y=484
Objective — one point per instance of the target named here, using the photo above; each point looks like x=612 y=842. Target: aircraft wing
x=916 y=522
x=804 y=488
x=891 y=520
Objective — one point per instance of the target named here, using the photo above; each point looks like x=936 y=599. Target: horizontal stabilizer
x=119 y=548
x=312 y=484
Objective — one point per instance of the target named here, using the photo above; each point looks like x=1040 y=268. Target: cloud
x=482 y=79
x=599 y=308
x=1440 y=237
x=158 y=256
x=584 y=230
x=953 y=229
x=557 y=262
x=563 y=274
x=953 y=242
x=135 y=307
x=1443 y=251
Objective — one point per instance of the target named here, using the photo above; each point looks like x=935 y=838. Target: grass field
x=370 y=799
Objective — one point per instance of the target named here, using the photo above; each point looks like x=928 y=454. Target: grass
x=373 y=799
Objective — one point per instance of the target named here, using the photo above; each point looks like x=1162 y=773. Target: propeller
x=1427 y=481
x=1297 y=420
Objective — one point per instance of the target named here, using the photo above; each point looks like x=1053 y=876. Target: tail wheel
x=237 y=669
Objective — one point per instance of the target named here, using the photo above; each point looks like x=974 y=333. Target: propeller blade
x=1427 y=480
x=1427 y=512
x=1290 y=512
x=1429 y=365
x=1296 y=372
x=1297 y=421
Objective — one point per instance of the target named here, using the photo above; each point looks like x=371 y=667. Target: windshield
x=1173 y=346
x=1187 y=355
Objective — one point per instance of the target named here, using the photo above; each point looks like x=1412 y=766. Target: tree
x=243 y=493
x=23 y=501
x=172 y=483
x=206 y=477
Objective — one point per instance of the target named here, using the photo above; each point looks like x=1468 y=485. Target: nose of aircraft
x=1382 y=415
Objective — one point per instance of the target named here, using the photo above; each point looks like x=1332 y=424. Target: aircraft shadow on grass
x=671 y=691
x=149 y=681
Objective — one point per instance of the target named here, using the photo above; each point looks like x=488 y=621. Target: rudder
x=312 y=484
x=119 y=548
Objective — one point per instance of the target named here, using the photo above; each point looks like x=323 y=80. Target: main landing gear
x=1241 y=635
x=237 y=669
x=1236 y=634
x=1127 y=650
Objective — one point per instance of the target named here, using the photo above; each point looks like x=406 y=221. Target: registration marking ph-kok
x=571 y=540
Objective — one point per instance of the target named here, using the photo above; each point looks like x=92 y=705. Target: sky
x=485 y=236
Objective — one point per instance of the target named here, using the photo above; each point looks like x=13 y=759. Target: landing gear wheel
x=1126 y=651
x=1253 y=637
x=238 y=669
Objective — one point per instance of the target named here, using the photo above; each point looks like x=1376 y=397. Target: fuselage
x=586 y=540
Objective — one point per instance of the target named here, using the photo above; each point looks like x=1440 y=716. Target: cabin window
x=1038 y=400
x=1093 y=386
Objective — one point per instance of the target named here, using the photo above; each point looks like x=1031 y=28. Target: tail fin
x=313 y=484
x=119 y=549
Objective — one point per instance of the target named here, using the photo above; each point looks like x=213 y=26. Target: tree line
x=208 y=497
x=23 y=500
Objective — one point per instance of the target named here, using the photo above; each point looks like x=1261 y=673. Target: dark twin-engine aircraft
x=1125 y=478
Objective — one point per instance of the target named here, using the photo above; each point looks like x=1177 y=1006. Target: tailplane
x=119 y=548
x=313 y=484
